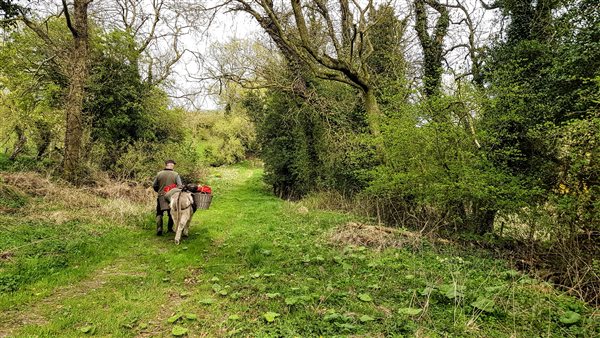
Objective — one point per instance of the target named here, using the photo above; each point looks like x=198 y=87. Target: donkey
x=181 y=211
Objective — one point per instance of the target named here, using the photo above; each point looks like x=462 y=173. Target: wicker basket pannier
x=202 y=200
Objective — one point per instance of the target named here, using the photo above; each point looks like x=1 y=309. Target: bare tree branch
x=68 y=19
x=494 y=5
x=157 y=6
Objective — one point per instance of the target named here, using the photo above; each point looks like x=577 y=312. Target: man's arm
x=179 y=184
x=155 y=184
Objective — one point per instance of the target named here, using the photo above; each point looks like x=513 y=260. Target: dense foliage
x=129 y=127
x=513 y=152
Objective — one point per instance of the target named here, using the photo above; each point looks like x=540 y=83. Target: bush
x=230 y=139
x=311 y=145
x=142 y=160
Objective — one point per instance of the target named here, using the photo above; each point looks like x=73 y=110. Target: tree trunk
x=77 y=71
x=432 y=44
x=373 y=112
x=486 y=221
x=374 y=118
x=20 y=144
x=45 y=137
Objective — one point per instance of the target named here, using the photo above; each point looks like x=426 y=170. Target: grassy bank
x=78 y=262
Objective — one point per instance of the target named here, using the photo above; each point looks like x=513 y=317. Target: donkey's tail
x=178 y=209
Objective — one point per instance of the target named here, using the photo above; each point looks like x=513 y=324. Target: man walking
x=165 y=178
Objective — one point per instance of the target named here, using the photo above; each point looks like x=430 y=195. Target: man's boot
x=170 y=224
x=159 y=225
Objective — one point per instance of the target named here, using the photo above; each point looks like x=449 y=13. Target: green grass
x=256 y=266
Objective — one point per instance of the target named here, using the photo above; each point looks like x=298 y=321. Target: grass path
x=258 y=266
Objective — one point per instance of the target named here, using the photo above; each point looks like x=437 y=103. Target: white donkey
x=181 y=212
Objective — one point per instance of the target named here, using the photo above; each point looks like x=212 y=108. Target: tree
x=387 y=62
x=31 y=91
x=540 y=84
x=469 y=37
x=74 y=65
x=9 y=10
x=77 y=74
x=303 y=135
x=333 y=49
x=156 y=27
x=433 y=45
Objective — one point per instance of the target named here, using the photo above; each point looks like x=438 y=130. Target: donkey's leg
x=186 y=227
x=178 y=229
x=178 y=234
x=183 y=220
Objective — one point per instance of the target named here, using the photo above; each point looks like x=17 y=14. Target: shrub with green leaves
x=231 y=138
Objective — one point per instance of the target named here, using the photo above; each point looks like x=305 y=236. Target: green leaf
x=234 y=317
x=331 y=317
x=484 y=304
x=511 y=273
x=366 y=318
x=184 y=294
x=409 y=311
x=179 y=331
x=270 y=316
x=453 y=294
x=365 y=297
x=223 y=292
x=174 y=318
x=207 y=301
x=528 y=280
x=342 y=294
x=273 y=295
x=494 y=288
x=291 y=300
x=374 y=264
x=427 y=291
x=306 y=298
x=191 y=316
x=570 y=317
x=214 y=279
x=88 y=329
x=234 y=332
x=347 y=326
x=216 y=287
x=452 y=291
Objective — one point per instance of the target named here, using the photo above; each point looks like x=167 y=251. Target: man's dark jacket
x=164 y=178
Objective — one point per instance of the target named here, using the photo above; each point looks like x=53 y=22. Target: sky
x=228 y=26
x=224 y=28
x=200 y=39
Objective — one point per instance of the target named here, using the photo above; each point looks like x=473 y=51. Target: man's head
x=169 y=164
